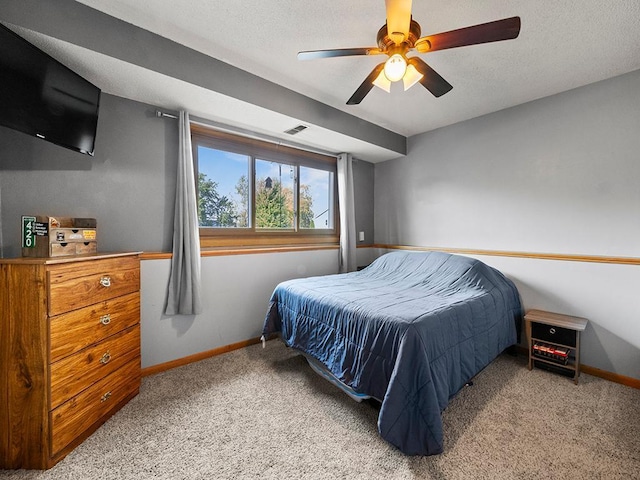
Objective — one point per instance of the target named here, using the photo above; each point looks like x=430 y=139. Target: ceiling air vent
x=296 y=130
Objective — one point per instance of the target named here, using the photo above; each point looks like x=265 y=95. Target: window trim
x=211 y=237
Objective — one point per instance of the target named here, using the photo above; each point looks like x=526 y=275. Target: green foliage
x=274 y=205
x=306 y=208
x=214 y=210
x=242 y=202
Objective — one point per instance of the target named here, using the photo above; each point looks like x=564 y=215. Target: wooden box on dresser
x=69 y=351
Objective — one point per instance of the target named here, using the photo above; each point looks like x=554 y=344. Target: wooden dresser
x=69 y=351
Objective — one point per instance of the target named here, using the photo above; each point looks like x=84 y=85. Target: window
x=257 y=193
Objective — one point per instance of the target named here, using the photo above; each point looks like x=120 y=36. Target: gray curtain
x=183 y=294
x=347 y=214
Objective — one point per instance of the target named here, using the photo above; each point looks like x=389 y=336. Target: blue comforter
x=410 y=330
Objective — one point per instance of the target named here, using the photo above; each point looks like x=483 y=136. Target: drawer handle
x=105 y=358
x=105 y=281
x=552 y=330
x=105 y=397
x=105 y=319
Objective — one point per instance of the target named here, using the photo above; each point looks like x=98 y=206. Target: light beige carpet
x=257 y=413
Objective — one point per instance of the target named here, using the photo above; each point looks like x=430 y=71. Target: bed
x=410 y=330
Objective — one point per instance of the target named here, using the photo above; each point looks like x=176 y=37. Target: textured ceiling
x=562 y=45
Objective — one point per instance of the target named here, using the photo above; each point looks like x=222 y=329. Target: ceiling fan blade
x=398 y=19
x=366 y=86
x=431 y=79
x=505 y=29
x=338 y=52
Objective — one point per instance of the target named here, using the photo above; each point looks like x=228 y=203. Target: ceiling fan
x=401 y=35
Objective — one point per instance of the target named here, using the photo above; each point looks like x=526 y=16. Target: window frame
x=262 y=150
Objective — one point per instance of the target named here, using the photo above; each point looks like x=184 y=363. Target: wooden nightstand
x=553 y=340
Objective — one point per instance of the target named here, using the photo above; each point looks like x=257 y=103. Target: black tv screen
x=40 y=96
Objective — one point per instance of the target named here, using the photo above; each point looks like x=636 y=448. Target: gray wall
x=129 y=185
x=558 y=175
x=363 y=186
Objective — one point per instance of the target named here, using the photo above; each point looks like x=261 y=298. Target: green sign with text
x=28 y=232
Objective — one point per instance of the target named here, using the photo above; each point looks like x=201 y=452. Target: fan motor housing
x=385 y=42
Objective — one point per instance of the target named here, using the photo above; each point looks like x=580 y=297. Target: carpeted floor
x=256 y=413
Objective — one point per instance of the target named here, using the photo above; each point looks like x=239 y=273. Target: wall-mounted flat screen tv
x=40 y=96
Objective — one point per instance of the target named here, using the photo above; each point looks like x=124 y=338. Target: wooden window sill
x=245 y=250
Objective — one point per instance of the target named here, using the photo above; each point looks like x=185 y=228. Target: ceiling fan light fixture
x=411 y=77
x=395 y=67
x=383 y=82
x=400 y=36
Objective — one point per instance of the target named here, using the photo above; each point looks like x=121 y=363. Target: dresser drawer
x=551 y=333
x=73 y=418
x=75 y=373
x=79 y=284
x=73 y=331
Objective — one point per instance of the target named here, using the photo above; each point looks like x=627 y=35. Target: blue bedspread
x=410 y=330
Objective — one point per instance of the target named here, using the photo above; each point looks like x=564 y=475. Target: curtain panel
x=183 y=293
x=347 y=214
